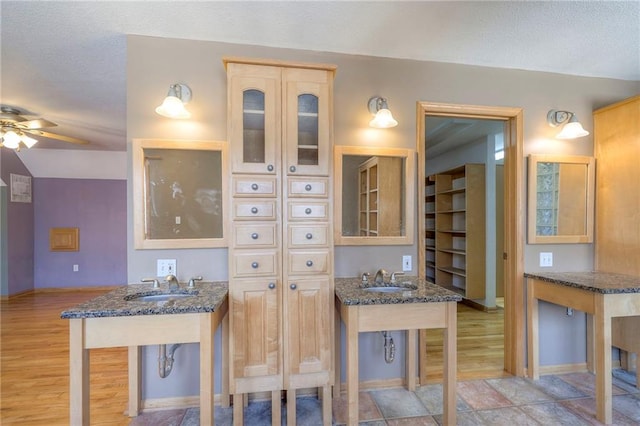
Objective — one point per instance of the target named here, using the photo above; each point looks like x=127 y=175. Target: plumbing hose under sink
x=165 y=362
x=389 y=347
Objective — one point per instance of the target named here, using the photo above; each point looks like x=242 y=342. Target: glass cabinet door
x=307 y=123
x=254 y=124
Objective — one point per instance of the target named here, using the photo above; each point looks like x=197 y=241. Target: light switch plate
x=166 y=267
x=406 y=263
x=546 y=260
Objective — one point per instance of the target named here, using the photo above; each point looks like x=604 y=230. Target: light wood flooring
x=34 y=359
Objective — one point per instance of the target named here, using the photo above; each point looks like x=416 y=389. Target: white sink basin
x=162 y=297
x=389 y=289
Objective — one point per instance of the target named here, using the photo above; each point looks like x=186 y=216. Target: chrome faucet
x=394 y=275
x=173 y=282
x=192 y=281
x=380 y=274
x=156 y=283
x=365 y=278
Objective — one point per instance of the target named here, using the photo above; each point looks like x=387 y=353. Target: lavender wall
x=99 y=209
x=19 y=234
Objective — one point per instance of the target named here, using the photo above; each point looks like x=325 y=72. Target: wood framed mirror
x=374 y=196
x=561 y=199
x=178 y=193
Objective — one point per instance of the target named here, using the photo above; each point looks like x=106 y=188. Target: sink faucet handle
x=365 y=277
x=396 y=274
x=192 y=281
x=155 y=282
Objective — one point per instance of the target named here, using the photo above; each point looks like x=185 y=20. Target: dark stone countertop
x=597 y=282
x=209 y=296
x=350 y=291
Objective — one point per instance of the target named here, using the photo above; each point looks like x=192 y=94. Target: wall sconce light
x=571 y=130
x=383 y=118
x=173 y=105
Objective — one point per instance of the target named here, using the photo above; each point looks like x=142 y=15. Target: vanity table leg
x=276 y=406
x=337 y=354
x=135 y=378
x=291 y=406
x=450 y=365
x=411 y=336
x=78 y=374
x=351 y=323
x=532 y=332
x=327 y=405
x=238 y=409
x=603 y=361
x=206 y=369
x=224 y=397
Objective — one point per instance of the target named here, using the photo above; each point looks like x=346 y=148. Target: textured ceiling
x=65 y=61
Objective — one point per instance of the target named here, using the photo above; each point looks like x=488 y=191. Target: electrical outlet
x=546 y=260
x=166 y=267
x=406 y=263
x=76 y=268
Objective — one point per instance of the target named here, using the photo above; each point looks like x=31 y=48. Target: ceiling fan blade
x=38 y=123
x=58 y=137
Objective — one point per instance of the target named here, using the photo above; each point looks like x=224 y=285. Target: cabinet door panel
x=309 y=325
x=254 y=118
x=255 y=329
x=307 y=128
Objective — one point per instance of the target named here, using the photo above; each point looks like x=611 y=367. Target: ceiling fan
x=15 y=128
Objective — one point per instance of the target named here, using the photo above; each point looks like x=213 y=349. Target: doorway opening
x=469 y=170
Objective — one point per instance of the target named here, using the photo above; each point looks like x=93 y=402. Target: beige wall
x=154 y=63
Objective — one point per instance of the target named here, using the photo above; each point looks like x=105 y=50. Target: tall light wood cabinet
x=617 y=243
x=380 y=197
x=460 y=253
x=281 y=255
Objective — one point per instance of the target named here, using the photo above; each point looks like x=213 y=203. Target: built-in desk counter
x=111 y=320
x=600 y=294
x=422 y=305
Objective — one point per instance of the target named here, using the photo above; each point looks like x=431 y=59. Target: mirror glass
x=560 y=199
x=374 y=187
x=179 y=186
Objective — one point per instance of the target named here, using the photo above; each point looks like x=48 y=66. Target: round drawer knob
x=292 y=169
x=254 y=236
x=307 y=210
x=270 y=167
x=254 y=265
x=309 y=263
x=307 y=187
x=293 y=286
x=272 y=286
x=254 y=186
x=254 y=210
x=309 y=236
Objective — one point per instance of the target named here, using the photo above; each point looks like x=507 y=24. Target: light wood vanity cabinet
x=281 y=253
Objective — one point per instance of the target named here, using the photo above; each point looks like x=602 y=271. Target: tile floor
x=565 y=400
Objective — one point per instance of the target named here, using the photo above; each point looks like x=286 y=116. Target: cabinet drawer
x=250 y=186
x=308 y=262
x=308 y=211
x=255 y=235
x=308 y=235
x=255 y=263
x=300 y=187
x=254 y=210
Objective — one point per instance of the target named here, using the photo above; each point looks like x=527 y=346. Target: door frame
x=514 y=218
